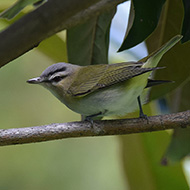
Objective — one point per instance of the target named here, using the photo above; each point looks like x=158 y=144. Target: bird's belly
x=116 y=100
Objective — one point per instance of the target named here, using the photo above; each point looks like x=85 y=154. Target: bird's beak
x=36 y=80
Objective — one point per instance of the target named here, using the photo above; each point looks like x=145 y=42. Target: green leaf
x=177 y=69
x=143 y=19
x=55 y=48
x=176 y=60
x=180 y=144
x=179 y=147
x=136 y=167
x=186 y=21
x=141 y=156
x=17 y=7
x=141 y=159
x=88 y=43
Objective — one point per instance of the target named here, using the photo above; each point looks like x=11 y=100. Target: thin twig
x=100 y=128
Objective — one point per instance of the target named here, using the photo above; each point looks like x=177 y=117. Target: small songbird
x=104 y=89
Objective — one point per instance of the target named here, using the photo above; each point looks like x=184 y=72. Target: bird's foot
x=143 y=116
x=95 y=116
x=89 y=119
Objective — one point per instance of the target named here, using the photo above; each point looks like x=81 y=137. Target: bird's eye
x=57 y=79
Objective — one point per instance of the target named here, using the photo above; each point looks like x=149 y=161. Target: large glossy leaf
x=88 y=43
x=179 y=147
x=180 y=143
x=177 y=69
x=177 y=59
x=143 y=19
x=186 y=22
x=141 y=156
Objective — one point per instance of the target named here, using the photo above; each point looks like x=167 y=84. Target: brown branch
x=52 y=17
x=100 y=128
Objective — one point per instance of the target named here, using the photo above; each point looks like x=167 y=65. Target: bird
x=95 y=91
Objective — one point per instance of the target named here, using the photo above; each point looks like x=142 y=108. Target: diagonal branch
x=100 y=128
x=50 y=18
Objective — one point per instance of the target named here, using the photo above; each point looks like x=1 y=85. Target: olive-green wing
x=95 y=77
x=86 y=78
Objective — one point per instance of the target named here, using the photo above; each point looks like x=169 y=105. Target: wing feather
x=94 y=77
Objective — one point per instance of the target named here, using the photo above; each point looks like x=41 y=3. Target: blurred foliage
x=176 y=60
x=143 y=19
x=88 y=43
x=179 y=147
x=129 y=162
x=186 y=25
x=17 y=7
x=55 y=48
x=177 y=70
x=142 y=154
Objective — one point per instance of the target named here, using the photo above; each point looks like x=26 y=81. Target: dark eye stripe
x=58 y=78
x=56 y=71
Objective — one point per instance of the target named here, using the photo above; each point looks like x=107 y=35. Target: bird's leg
x=141 y=114
x=89 y=118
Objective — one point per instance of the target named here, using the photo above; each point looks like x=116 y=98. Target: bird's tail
x=153 y=59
